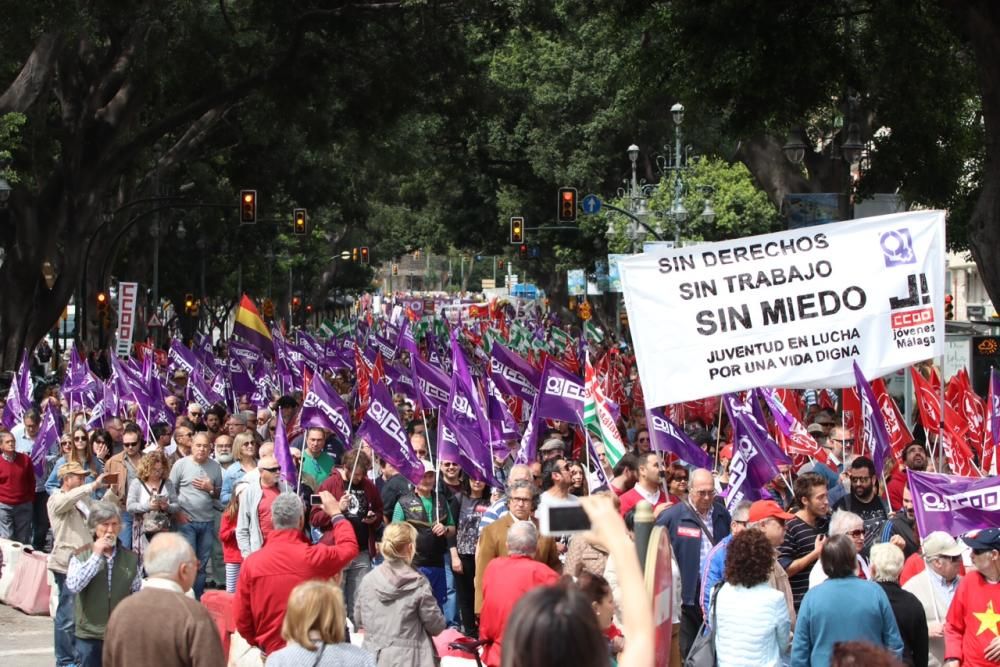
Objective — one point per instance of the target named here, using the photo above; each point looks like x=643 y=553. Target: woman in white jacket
x=752 y=623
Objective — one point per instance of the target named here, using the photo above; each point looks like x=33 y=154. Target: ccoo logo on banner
x=791 y=309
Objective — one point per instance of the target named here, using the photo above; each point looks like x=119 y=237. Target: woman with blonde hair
x=314 y=628
x=152 y=500
x=396 y=607
x=81 y=451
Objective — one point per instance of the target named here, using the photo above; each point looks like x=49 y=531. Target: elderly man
x=253 y=523
x=268 y=576
x=101 y=575
x=17 y=491
x=69 y=533
x=694 y=527
x=714 y=567
x=935 y=587
x=506 y=580
x=553 y=448
x=768 y=517
x=195 y=413
x=25 y=434
x=521 y=499
x=236 y=424
x=518 y=473
x=886 y=564
x=184 y=634
x=198 y=481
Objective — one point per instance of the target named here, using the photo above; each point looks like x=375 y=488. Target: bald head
x=166 y=556
x=522 y=539
x=519 y=472
x=702 y=490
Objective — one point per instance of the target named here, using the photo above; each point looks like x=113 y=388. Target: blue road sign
x=591 y=204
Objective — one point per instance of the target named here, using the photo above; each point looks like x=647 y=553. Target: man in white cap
x=935 y=586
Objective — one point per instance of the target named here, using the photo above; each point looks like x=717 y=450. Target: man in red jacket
x=17 y=491
x=268 y=575
x=972 y=629
x=506 y=580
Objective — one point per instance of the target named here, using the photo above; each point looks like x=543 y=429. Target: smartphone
x=562 y=518
x=111 y=478
x=315 y=499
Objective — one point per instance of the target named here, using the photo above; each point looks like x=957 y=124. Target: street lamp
x=680 y=165
x=636 y=192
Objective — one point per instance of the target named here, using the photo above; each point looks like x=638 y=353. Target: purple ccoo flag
x=383 y=430
x=666 y=436
x=874 y=434
x=751 y=469
x=180 y=358
x=324 y=408
x=47 y=439
x=19 y=395
x=561 y=394
x=512 y=374
x=473 y=458
x=433 y=384
x=954 y=504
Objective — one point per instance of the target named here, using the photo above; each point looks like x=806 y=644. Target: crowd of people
x=140 y=521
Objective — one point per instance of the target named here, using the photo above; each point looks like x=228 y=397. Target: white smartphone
x=558 y=518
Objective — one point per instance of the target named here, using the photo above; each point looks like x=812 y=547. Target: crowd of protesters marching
x=333 y=555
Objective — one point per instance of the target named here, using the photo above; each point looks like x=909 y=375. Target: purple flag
x=433 y=384
x=666 y=436
x=503 y=426
x=751 y=469
x=283 y=453
x=248 y=353
x=874 y=434
x=561 y=394
x=383 y=430
x=47 y=439
x=749 y=412
x=473 y=457
x=201 y=393
x=464 y=402
x=528 y=451
x=239 y=376
x=401 y=382
x=386 y=346
x=324 y=408
x=406 y=341
x=180 y=358
x=19 y=396
x=954 y=504
x=602 y=476
x=512 y=374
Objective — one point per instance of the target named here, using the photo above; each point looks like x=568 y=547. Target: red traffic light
x=567 y=205
x=364 y=254
x=523 y=251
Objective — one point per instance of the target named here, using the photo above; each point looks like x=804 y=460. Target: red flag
x=927 y=401
x=851 y=410
x=969 y=405
x=363 y=373
x=899 y=435
x=798 y=442
x=956 y=450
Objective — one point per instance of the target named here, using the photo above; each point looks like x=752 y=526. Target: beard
x=224 y=458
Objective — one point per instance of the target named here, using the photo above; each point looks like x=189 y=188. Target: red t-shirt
x=264 y=511
x=632 y=497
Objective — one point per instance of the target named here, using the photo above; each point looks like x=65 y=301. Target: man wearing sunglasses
x=935 y=586
x=253 y=523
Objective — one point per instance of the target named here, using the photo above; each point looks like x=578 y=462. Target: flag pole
x=718 y=434
x=940 y=438
x=350 y=480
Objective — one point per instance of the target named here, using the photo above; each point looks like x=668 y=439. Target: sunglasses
x=953 y=559
x=860 y=532
x=680 y=479
x=272 y=470
x=83 y=437
x=130 y=444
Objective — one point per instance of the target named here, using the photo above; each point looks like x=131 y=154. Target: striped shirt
x=800 y=540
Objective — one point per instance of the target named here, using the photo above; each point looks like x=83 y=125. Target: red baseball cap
x=767 y=509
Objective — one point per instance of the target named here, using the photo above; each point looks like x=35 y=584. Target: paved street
x=27 y=640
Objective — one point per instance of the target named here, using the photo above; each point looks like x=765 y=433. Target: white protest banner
x=127 y=293
x=791 y=309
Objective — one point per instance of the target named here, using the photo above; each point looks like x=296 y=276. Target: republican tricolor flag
x=250 y=327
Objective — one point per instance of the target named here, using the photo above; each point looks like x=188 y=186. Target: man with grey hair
x=269 y=574
x=522 y=498
x=101 y=575
x=506 y=580
x=714 y=567
x=184 y=633
x=886 y=564
x=935 y=586
x=518 y=472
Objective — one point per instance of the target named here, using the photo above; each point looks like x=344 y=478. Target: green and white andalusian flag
x=593 y=333
x=560 y=340
x=597 y=418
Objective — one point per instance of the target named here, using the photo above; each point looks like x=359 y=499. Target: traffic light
x=309 y=309
x=949 y=307
x=395 y=269
x=355 y=254
x=299 y=222
x=364 y=254
x=248 y=207
x=522 y=251
x=567 y=205
x=517 y=229
x=189 y=307
x=296 y=302
x=500 y=264
x=103 y=305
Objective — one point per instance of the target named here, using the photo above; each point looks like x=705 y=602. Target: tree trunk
x=981 y=22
